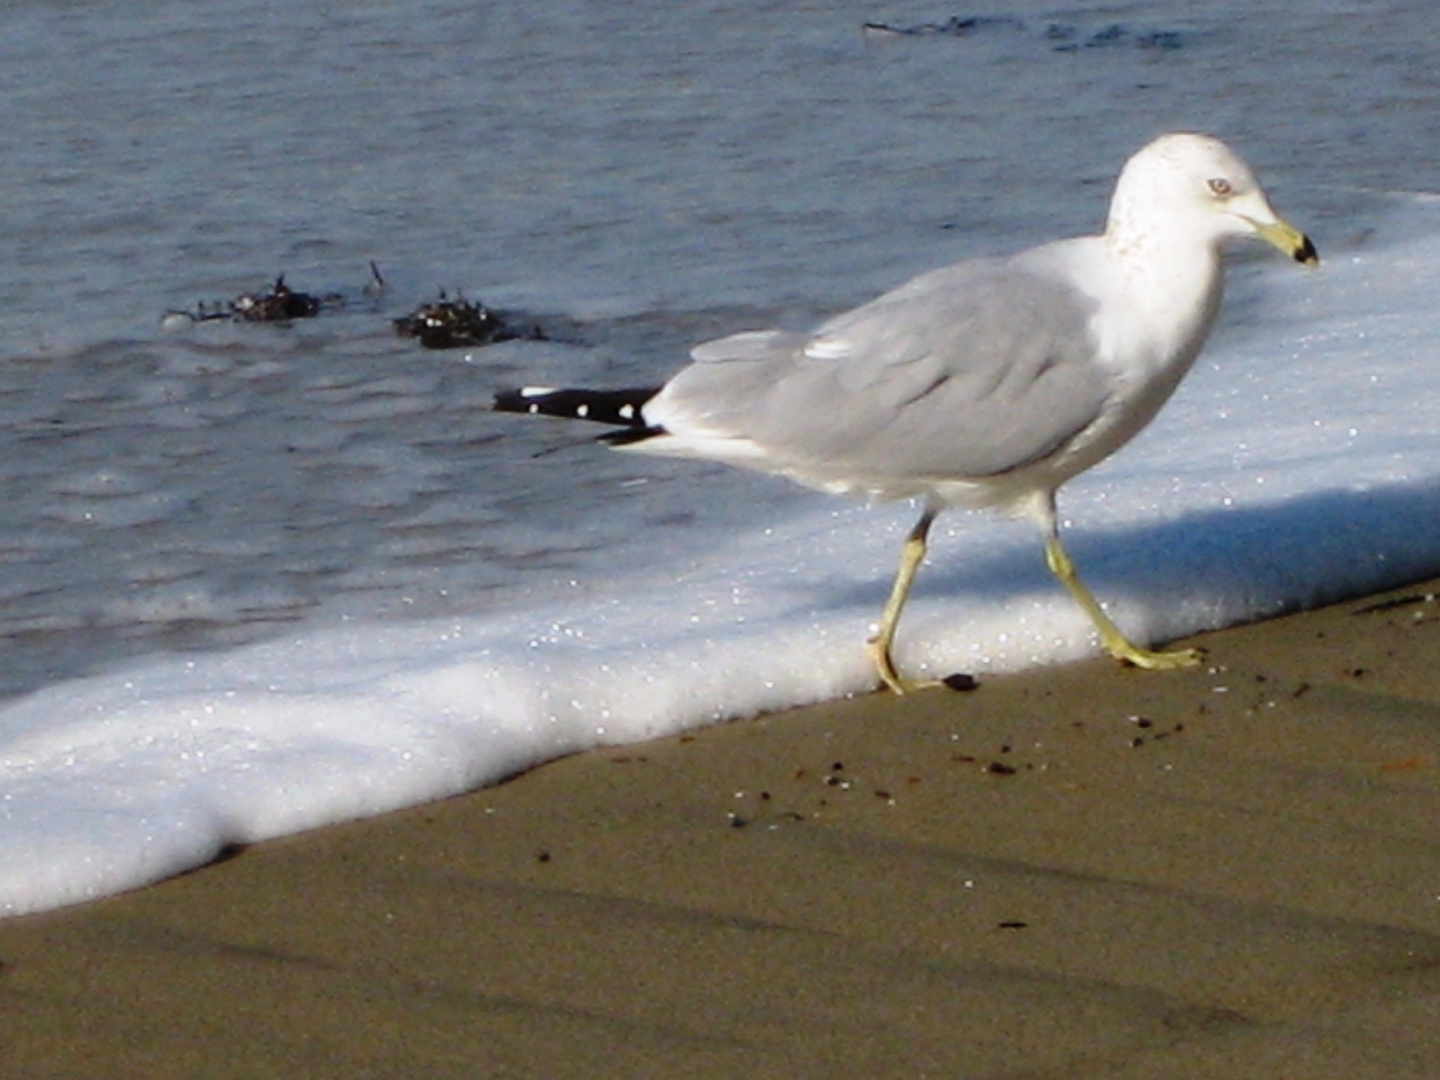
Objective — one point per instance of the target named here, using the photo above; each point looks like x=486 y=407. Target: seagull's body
x=987 y=383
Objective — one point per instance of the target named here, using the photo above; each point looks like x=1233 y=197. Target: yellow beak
x=1288 y=239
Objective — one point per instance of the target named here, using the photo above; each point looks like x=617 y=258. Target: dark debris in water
x=1060 y=36
x=955 y=26
x=458 y=323
x=280 y=303
x=1072 y=39
x=445 y=323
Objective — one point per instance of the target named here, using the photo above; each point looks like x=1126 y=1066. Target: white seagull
x=988 y=383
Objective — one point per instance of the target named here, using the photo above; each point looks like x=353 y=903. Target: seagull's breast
x=1154 y=313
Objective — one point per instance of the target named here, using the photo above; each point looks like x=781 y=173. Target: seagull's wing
x=965 y=372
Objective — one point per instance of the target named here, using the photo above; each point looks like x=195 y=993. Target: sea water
x=259 y=578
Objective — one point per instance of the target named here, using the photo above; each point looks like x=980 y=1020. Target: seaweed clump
x=278 y=304
x=457 y=323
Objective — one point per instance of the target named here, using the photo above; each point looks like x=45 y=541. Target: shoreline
x=1079 y=871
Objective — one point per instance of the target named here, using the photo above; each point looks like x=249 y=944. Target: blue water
x=636 y=177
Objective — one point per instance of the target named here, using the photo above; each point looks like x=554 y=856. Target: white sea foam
x=1299 y=463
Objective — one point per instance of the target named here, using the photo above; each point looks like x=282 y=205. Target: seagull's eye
x=1220 y=186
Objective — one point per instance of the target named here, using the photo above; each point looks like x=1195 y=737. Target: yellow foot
x=885 y=668
x=1154 y=661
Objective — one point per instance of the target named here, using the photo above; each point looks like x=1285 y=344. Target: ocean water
x=258 y=578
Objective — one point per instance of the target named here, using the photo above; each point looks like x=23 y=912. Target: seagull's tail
x=621 y=408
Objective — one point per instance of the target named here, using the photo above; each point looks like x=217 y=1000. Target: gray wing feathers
x=968 y=371
x=750 y=345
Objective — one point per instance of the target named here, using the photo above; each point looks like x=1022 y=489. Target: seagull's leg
x=1115 y=642
x=911 y=556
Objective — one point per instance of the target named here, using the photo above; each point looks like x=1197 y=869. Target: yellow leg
x=1116 y=644
x=911 y=557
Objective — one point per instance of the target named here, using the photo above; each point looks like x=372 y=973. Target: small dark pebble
x=1013 y=924
x=737 y=822
x=229 y=851
x=999 y=768
x=960 y=682
x=543 y=856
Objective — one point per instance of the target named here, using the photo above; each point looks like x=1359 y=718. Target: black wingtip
x=621 y=408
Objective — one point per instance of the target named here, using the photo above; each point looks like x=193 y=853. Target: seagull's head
x=1194 y=186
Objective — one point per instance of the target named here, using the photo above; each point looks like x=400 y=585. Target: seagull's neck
x=1175 y=280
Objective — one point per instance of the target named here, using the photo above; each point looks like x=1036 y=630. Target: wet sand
x=1084 y=872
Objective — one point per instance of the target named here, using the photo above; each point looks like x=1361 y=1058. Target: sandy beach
x=1083 y=872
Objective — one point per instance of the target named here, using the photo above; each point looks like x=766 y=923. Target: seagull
x=984 y=384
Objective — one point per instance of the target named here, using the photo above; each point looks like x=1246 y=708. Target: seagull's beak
x=1287 y=238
